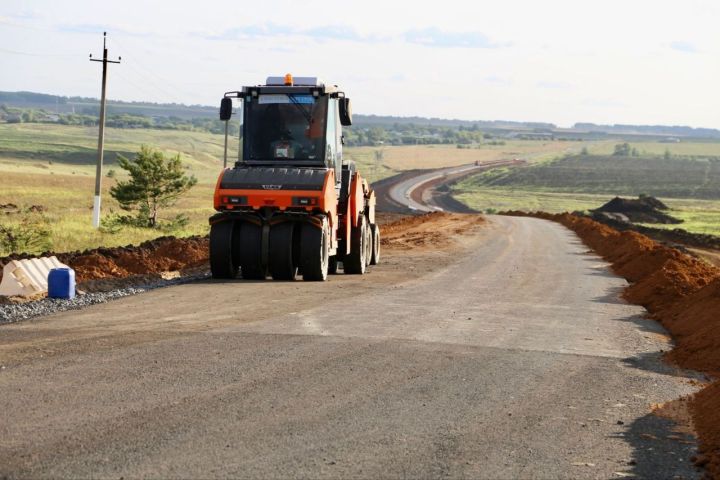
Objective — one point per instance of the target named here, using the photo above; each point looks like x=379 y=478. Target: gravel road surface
x=505 y=355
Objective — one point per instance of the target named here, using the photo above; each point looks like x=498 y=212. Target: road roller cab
x=290 y=204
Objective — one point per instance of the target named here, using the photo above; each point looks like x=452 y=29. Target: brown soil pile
x=683 y=294
x=101 y=268
x=705 y=407
x=695 y=323
x=152 y=257
x=431 y=231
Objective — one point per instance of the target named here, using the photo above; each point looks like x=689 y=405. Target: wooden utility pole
x=101 y=136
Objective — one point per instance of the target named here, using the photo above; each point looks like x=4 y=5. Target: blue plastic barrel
x=61 y=283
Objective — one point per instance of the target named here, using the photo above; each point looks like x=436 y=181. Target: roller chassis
x=284 y=244
x=291 y=205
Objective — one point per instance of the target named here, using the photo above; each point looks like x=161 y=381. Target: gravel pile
x=22 y=311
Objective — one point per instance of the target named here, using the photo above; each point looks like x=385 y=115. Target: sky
x=560 y=61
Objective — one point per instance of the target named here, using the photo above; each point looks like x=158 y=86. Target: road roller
x=290 y=205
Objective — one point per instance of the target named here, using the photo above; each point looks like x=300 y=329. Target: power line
x=27 y=27
x=149 y=72
x=147 y=89
x=15 y=52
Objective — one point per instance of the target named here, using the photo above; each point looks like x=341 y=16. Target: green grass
x=61 y=149
x=693 y=148
x=54 y=166
x=688 y=184
x=501 y=199
x=700 y=216
x=675 y=177
x=68 y=201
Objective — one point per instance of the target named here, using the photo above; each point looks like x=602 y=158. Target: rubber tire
x=375 y=257
x=368 y=243
x=249 y=249
x=333 y=265
x=280 y=255
x=314 y=252
x=355 y=262
x=222 y=264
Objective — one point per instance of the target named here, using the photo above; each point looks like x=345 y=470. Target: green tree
x=31 y=234
x=28 y=116
x=155 y=182
x=622 y=150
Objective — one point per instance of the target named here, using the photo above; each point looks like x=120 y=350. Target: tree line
x=359 y=134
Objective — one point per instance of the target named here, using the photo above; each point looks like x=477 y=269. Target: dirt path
x=484 y=350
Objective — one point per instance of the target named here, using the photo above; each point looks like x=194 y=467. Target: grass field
x=678 y=177
x=690 y=186
x=399 y=158
x=54 y=166
x=694 y=148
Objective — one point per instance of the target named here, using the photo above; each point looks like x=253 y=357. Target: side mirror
x=226 y=107
x=345 y=112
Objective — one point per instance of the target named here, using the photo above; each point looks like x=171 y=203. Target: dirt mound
x=149 y=258
x=643 y=203
x=705 y=409
x=680 y=292
x=152 y=257
x=695 y=323
x=99 y=268
x=644 y=209
x=436 y=230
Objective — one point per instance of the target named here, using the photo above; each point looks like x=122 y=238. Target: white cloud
x=685 y=47
x=556 y=61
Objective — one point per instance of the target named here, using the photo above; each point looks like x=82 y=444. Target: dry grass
x=400 y=158
x=53 y=166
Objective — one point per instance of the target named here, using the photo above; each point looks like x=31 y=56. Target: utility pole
x=101 y=136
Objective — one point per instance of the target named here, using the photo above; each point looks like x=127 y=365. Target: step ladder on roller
x=27 y=277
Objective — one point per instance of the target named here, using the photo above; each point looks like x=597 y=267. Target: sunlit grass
x=692 y=148
x=409 y=157
x=700 y=216
x=54 y=166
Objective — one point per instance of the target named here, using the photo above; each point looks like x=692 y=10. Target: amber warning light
x=288 y=80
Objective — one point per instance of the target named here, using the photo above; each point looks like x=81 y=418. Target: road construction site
x=481 y=346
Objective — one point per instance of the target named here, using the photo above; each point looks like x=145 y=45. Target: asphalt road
x=417 y=192
x=506 y=356
x=402 y=191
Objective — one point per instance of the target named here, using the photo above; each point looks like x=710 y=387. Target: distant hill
x=85 y=105
x=90 y=106
x=671 y=131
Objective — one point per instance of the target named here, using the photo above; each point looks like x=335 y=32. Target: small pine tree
x=31 y=234
x=155 y=182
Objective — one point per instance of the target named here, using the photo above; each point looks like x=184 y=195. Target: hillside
x=89 y=106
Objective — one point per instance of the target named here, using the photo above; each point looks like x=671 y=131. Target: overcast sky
x=561 y=61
